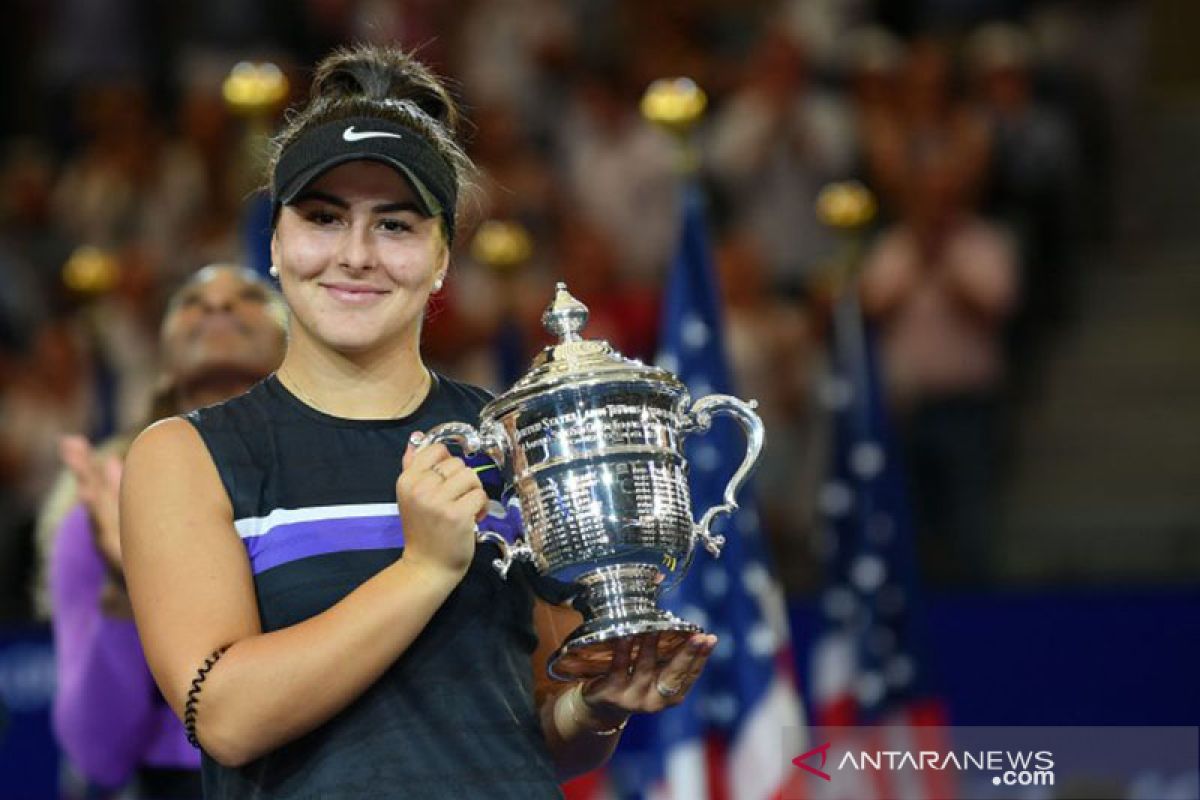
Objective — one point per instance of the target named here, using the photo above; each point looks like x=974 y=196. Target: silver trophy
x=591 y=443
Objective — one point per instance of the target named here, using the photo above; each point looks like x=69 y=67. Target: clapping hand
x=99 y=482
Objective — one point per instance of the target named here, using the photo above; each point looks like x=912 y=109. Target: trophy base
x=618 y=602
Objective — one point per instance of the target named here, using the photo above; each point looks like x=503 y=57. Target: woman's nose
x=357 y=253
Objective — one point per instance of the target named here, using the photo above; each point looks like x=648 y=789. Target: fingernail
x=416 y=438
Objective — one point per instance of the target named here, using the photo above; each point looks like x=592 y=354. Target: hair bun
x=382 y=75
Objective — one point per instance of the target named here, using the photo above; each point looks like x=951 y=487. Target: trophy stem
x=620 y=592
x=617 y=602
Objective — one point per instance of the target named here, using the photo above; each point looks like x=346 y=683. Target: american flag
x=866 y=666
x=726 y=739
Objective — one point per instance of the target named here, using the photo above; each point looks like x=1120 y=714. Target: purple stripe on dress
x=503 y=519
x=298 y=540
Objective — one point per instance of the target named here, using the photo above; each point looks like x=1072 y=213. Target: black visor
x=326 y=146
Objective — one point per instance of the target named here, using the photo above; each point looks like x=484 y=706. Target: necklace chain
x=401 y=411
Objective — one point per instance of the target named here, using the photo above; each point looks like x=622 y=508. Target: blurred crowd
x=126 y=170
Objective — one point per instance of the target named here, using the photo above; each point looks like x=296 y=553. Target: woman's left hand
x=638 y=684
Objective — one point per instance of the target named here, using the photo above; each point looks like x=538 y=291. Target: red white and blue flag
x=867 y=668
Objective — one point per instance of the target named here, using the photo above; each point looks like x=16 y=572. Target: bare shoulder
x=168 y=459
x=186 y=568
x=166 y=435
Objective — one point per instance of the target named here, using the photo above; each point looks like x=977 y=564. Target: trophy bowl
x=591 y=444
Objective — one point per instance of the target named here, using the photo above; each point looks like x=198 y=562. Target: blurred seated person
x=222 y=333
x=938 y=286
x=772 y=146
x=1033 y=180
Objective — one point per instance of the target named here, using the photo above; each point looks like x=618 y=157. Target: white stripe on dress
x=250 y=527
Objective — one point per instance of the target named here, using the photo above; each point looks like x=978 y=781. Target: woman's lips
x=352 y=294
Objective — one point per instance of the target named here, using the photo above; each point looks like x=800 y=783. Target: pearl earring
x=437 y=285
x=274 y=272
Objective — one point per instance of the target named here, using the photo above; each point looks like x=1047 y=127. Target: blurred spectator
x=519 y=183
x=619 y=172
x=224 y=331
x=506 y=54
x=1033 y=178
x=928 y=120
x=106 y=194
x=871 y=59
x=205 y=173
x=48 y=392
x=31 y=250
x=939 y=286
x=773 y=145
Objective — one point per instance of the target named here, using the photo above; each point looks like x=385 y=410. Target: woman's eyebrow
x=391 y=208
x=383 y=208
x=323 y=197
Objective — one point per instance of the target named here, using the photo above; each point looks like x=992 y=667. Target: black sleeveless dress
x=315 y=506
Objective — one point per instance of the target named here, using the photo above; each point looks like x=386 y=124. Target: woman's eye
x=322 y=217
x=253 y=296
x=393 y=225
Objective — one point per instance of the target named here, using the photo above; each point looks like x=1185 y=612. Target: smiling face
x=357 y=260
x=222 y=321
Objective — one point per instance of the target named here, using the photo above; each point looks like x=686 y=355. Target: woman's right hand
x=440 y=500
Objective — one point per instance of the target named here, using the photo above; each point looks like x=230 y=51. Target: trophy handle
x=698 y=420
x=492 y=442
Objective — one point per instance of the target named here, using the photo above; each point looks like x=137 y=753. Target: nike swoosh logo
x=351 y=135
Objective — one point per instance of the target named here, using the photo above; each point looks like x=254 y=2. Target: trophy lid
x=575 y=360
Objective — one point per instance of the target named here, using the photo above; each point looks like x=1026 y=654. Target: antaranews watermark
x=994 y=763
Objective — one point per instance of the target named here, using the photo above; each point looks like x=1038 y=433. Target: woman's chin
x=358 y=342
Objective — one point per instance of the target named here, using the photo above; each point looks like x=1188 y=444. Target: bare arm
x=192 y=592
x=574 y=747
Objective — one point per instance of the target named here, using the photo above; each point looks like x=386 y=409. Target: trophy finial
x=566 y=316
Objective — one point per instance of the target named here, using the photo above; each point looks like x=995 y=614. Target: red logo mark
x=824 y=751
